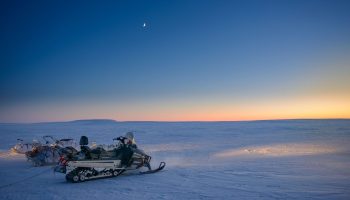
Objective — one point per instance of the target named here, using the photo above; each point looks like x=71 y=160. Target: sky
x=193 y=61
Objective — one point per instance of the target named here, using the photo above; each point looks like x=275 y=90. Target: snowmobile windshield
x=130 y=137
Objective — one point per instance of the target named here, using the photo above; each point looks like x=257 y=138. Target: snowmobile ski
x=161 y=166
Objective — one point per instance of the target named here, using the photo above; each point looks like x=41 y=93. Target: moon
x=144 y=25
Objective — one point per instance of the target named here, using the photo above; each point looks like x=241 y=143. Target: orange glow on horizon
x=302 y=108
x=194 y=109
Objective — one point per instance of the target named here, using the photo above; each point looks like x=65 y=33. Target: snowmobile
x=99 y=163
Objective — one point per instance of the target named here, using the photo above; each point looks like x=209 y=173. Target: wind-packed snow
x=289 y=159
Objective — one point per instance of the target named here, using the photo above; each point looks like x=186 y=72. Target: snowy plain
x=286 y=159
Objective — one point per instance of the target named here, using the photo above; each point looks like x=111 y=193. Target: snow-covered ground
x=291 y=159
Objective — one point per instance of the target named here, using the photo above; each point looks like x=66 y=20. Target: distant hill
x=74 y=122
x=88 y=122
x=93 y=121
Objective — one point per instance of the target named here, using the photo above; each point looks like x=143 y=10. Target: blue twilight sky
x=195 y=60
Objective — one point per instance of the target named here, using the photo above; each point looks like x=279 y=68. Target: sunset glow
x=260 y=61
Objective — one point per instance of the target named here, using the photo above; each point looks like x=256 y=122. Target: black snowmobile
x=99 y=163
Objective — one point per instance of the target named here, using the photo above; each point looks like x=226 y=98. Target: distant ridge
x=88 y=121
x=77 y=122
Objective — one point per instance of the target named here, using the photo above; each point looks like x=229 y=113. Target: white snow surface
x=287 y=159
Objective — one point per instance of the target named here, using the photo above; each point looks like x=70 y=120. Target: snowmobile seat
x=98 y=153
x=84 y=141
x=86 y=150
x=92 y=153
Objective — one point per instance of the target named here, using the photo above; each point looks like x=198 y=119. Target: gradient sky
x=196 y=60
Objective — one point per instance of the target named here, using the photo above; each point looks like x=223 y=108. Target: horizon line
x=172 y=121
